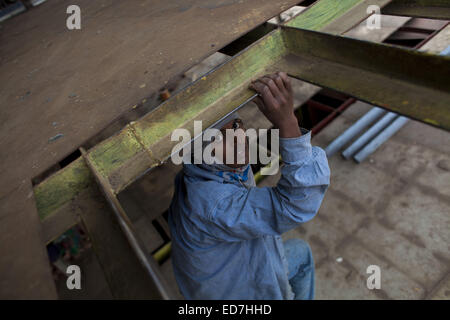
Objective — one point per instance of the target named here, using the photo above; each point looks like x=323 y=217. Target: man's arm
x=305 y=176
x=276 y=102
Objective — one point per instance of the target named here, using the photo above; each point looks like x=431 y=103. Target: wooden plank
x=24 y=265
x=389 y=24
x=352 y=17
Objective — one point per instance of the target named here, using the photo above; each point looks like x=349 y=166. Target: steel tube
x=369 y=134
x=380 y=139
x=352 y=131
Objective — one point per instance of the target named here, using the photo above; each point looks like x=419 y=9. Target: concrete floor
x=392 y=210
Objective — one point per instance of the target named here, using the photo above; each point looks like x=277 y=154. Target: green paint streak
x=61 y=187
x=114 y=152
x=322 y=13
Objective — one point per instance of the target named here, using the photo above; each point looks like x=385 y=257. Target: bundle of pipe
x=369 y=134
x=351 y=132
x=374 y=137
x=387 y=124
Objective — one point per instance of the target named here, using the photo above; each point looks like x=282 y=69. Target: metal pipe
x=369 y=134
x=352 y=131
x=380 y=139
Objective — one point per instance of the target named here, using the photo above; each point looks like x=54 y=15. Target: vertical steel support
x=147 y=262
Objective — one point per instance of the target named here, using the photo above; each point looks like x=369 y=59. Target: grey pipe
x=369 y=134
x=352 y=131
x=380 y=139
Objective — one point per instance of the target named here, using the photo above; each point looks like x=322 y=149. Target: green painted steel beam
x=435 y=9
x=124 y=156
x=408 y=82
x=146 y=143
x=61 y=187
x=405 y=81
x=372 y=72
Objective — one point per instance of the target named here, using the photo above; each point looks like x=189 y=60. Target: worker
x=226 y=232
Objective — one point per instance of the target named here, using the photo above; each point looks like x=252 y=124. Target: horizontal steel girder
x=411 y=83
x=437 y=9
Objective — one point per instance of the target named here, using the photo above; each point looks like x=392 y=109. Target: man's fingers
x=286 y=80
x=272 y=86
x=264 y=92
x=278 y=81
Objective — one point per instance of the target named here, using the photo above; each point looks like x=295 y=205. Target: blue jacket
x=226 y=238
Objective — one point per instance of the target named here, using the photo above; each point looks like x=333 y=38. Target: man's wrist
x=290 y=128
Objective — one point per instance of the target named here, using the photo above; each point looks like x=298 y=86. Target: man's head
x=225 y=144
x=235 y=148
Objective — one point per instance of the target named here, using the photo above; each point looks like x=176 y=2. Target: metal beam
x=408 y=82
x=404 y=81
x=123 y=272
x=371 y=72
x=105 y=232
x=435 y=9
x=58 y=190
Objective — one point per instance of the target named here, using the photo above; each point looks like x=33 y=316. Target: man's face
x=239 y=144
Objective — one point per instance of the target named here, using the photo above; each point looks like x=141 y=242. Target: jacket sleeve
x=255 y=212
